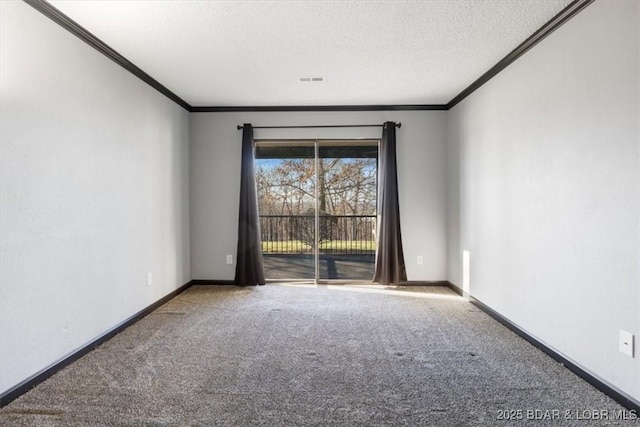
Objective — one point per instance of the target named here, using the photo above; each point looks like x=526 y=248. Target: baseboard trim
x=330 y=282
x=26 y=385
x=211 y=282
x=425 y=283
x=618 y=395
x=455 y=288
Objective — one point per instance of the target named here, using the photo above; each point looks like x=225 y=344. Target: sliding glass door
x=286 y=181
x=317 y=204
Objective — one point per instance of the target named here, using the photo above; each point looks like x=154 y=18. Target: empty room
x=328 y=213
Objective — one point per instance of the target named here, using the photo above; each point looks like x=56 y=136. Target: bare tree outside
x=346 y=203
x=287 y=187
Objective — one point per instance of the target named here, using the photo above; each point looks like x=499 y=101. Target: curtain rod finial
x=240 y=127
x=399 y=124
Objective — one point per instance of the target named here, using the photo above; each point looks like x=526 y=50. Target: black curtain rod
x=318 y=126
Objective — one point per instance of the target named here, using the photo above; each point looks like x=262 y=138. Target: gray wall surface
x=94 y=193
x=215 y=181
x=544 y=180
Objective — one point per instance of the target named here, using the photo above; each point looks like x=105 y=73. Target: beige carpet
x=300 y=355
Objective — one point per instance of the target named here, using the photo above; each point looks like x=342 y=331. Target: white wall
x=544 y=190
x=94 y=194
x=215 y=179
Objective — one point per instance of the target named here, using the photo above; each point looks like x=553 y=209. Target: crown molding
x=553 y=24
x=416 y=107
x=83 y=34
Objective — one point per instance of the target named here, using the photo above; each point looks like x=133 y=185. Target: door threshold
x=320 y=281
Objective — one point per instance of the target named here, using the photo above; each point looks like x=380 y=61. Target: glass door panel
x=347 y=191
x=317 y=204
x=285 y=178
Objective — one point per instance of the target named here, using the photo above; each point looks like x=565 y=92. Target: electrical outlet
x=626 y=343
x=149 y=279
x=420 y=260
x=229 y=259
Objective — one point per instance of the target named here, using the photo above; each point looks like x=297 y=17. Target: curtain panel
x=249 y=262
x=389 y=264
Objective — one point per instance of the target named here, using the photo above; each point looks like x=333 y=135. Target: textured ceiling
x=251 y=53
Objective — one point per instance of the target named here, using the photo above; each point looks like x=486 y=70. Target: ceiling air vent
x=311 y=79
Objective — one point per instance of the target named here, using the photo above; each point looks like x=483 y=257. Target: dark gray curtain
x=249 y=264
x=390 y=268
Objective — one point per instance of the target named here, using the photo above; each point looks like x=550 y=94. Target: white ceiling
x=251 y=53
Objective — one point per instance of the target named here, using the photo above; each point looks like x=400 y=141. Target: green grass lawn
x=343 y=245
x=293 y=246
x=286 y=246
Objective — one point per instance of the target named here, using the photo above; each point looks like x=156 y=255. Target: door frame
x=317 y=142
